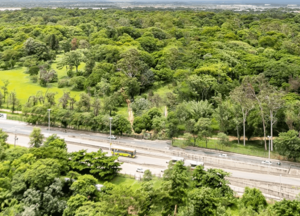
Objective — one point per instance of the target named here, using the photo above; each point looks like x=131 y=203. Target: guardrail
x=214 y=160
x=282 y=191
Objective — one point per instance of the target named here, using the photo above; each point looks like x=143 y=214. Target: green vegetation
x=220 y=73
x=46 y=180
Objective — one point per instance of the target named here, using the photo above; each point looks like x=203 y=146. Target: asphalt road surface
x=25 y=129
x=155 y=165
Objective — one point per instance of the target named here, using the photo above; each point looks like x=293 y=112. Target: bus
x=122 y=151
x=175 y=159
x=193 y=164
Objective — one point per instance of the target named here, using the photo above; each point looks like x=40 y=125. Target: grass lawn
x=24 y=87
x=123 y=111
x=254 y=148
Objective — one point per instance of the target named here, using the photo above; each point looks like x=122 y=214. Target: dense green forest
x=45 y=180
x=183 y=72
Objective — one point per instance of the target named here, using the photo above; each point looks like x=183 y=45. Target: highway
x=25 y=129
x=156 y=164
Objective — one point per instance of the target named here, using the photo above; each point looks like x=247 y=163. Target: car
x=112 y=137
x=140 y=170
x=222 y=155
x=266 y=162
x=99 y=186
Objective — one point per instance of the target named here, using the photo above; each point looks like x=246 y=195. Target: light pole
x=110 y=134
x=269 y=147
x=49 y=119
x=16 y=138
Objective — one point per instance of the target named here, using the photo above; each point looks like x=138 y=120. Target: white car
x=99 y=186
x=223 y=155
x=140 y=170
x=266 y=162
x=112 y=137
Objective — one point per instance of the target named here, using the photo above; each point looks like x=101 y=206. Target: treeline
x=45 y=179
x=216 y=72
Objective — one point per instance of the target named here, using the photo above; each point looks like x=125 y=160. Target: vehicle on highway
x=266 y=162
x=140 y=170
x=223 y=155
x=99 y=187
x=175 y=159
x=193 y=164
x=122 y=151
x=112 y=137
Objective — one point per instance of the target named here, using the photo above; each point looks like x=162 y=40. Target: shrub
x=253 y=198
x=34 y=70
x=147 y=175
x=63 y=83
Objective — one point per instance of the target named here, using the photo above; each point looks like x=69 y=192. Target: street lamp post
x=16 y=138
x=49 y=119
x=269 y=146
x=110 y=134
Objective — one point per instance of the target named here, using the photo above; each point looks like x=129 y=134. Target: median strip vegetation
x=45 y=179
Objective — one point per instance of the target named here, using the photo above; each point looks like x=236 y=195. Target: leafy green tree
x=212 y=178
x=84 y=103
x=287 y=208
x=253 y=198
x=203 y=201
x=3 y=136
x=78 y=82
x=110 y=103
x=132 y=87
x=130 y=63
x=52 y=138
x=121 y=125
x=147 y=175
x=13 y=101
x=36 y=138
x=85 y=186
x=173 y=191
x=74 y=203
x=240 y=96
x=5 y=89
x=90 y=209
x=203 y=128
x=288 y=144
x=140 y=105
x=223 y=139
x=47 y=202
x=119 y=200
x=42 y=173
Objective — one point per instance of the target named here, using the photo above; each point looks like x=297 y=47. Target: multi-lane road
x=155 y=163
x=25 y=129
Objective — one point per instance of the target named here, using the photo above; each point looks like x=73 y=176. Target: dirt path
x=130 y=113
x=7 y=110
x=166 y=111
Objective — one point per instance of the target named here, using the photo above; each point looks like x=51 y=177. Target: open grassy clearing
x=254 y=148
x=24 y=87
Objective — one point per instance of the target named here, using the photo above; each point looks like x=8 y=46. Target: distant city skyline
x=171 y=1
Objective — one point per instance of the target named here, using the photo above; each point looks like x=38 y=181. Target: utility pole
x=49 y=119
x=15 y=140
x=269 y=146
x=110 y=134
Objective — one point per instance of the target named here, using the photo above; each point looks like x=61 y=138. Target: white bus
x=175 y=159
x=193 y=164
